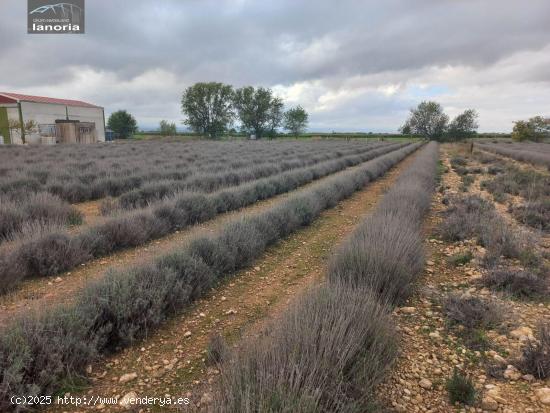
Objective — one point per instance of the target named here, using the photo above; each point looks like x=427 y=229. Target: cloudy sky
x=354 y=65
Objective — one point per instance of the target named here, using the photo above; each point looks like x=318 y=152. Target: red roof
x=16 y=97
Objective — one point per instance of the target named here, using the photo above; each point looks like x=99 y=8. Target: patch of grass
x=467 y=181
x=529 y=257
x=441 y=169
x=500 y=197
x=76 y=384
x=461 y=388
x=460 y=258
x=495 y=369
x=75 y=218
x=475 y=339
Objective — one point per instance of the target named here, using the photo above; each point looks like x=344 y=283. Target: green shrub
x=461 y=258
x=461 y=389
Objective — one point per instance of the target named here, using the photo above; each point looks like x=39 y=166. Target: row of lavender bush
x=36 y=213
x=78 y=173
x=203 y=182
x=536 y=158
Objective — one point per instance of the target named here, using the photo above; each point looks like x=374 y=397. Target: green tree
x=534 y=129
x=464 y=125
x=208 y=108
x=427 y=120
x=259 y=112
x=296 y=120
x=275 y=116
x=167 y=128
x=122 y=123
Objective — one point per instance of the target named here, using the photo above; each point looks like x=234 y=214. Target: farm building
x=37 y=119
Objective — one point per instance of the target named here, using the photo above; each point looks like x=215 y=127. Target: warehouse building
x=43 y=120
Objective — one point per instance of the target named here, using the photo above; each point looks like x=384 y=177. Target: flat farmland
x=395 y=274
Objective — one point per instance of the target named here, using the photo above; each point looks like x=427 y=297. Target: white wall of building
x=48 y=113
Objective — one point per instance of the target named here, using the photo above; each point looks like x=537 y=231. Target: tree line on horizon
x=212 y=107
x=430 y=121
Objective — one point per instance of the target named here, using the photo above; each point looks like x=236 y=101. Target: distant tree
x=534 y=129
x=275 y=116
x=167 y=128
x=296 y=120
x=122 y=123
x=463 y=126
x=259 y=112
x=208 y=108
x=427 y=120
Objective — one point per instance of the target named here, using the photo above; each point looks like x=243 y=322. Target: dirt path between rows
x=172 y=361
x=429 y=351
x=91 y=212
x=41 y=292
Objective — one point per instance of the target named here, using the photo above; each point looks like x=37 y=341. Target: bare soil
x=90 y=211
